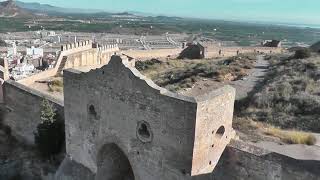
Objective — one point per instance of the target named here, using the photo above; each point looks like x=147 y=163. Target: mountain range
x=11 y=8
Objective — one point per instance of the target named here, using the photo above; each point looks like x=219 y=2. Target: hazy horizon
x=275 y=11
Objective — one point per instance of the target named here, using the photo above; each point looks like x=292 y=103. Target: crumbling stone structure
x=120 y=125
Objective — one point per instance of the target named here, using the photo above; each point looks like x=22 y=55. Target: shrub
x=302 y=53
x=57 y=83
x=143 y=65
x=49 y=136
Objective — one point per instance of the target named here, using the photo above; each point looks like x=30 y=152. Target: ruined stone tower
x=120 y=125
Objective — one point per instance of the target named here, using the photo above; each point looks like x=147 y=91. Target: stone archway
x=113 y=164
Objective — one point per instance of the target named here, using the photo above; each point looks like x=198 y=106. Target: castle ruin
x=120 y=125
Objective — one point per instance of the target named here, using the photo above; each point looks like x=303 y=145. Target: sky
x=282 y=11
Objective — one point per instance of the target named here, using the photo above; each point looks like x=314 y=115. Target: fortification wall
x=213 y=52
x=23 y=104
x=39 y=76
x=243 y=161
x=240 y=161
x=76 y=54
x=154 y=53
x=91 y=57
x=208 y=52
x=159 y=132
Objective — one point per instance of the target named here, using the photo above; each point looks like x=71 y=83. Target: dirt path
x=247 y=84
x=243 y=87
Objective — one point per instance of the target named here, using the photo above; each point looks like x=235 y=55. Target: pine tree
x=47 y=112
x=49 y=136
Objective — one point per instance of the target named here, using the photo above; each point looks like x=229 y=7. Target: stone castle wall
x=213 y=52
x=240 y=161
x=154 y=53
x=91 y=57
x=209 y=52
x=23 y=104
x=160 y=133
x=82 y=53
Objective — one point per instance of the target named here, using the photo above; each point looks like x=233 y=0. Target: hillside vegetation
x=290 y=96
x=180 y=74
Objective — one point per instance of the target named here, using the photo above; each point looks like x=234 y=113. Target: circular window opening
x=220 y=132
x=144 y=133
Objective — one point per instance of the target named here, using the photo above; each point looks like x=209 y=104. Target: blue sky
x=287 y=11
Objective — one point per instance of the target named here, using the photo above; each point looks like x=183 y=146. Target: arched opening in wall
x=113 y=164
x=220 y=132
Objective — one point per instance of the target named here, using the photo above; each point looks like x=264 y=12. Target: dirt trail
x=243 y=87
x=248 y=83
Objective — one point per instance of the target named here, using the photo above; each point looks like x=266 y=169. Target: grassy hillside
x=290 y=96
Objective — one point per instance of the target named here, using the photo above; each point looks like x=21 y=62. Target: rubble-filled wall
x=23 y=109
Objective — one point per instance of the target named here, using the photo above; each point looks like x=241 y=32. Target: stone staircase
x=62 y=64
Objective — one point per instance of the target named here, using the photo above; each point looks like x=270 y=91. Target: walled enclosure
x=156 y=134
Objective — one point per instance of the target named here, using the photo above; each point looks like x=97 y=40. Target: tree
x=47 y=112
x=50 y=135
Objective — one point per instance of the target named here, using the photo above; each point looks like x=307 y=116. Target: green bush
x=302 y=53
x=143 y=65
x=50 y=135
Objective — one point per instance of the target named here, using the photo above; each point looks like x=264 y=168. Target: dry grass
x=55 y=86
x=246 y=124
x=250 y=126
x=291 y=137
x=180 y=74
x=289 y=96
x=57 y=83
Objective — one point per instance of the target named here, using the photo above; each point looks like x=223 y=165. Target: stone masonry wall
x=240 y=161
x=118 y=107
x=158 y=131
x=23 y=106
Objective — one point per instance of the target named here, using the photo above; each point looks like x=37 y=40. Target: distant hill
x=10 y=9
x=49 y=9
